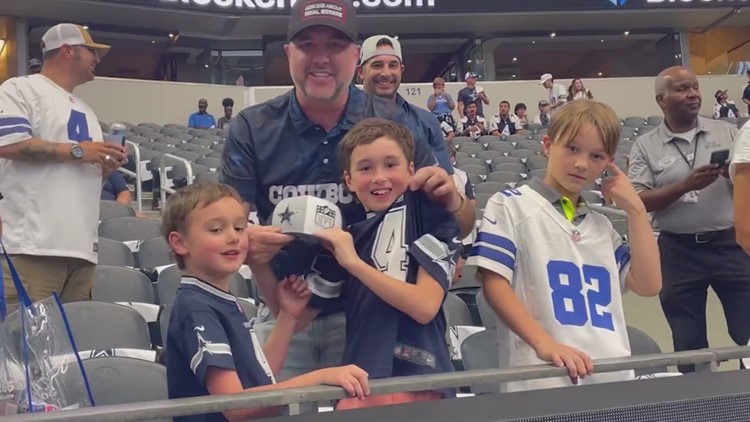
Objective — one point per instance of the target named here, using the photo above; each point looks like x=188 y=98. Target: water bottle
x=116 y=133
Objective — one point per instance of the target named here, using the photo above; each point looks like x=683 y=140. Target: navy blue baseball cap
x=337 y=14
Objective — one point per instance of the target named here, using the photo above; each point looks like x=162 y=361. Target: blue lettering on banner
x=571 y=306
x=78 y=127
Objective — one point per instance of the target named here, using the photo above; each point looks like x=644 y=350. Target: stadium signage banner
x=282 y=7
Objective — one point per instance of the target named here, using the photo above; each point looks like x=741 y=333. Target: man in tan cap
x=53 y=162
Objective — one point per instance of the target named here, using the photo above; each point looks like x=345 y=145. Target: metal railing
x=136 y=174
x=706 y=360
x=163 y=174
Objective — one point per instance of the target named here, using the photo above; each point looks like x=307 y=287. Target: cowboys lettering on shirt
x=380 y=339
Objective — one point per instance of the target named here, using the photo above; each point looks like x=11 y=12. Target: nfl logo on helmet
x=618 y=2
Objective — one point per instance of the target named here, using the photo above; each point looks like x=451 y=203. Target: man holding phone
x=680 y=171
x=53 y=162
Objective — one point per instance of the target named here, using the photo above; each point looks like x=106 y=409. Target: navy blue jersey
x=414 y=232
x=208 y=328
x=274 y=152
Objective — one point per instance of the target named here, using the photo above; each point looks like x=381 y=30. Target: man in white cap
x=380 y=69
x=472 y=94
x=558 y=95
x=53 y=162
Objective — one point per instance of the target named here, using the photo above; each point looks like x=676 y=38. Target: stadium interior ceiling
x=142 y=36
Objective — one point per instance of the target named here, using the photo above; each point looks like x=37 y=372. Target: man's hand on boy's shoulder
x=618 y=190
x=438 y=185
x=264 y=242
x=293 y=293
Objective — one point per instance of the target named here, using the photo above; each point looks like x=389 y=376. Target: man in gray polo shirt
x=692 y=204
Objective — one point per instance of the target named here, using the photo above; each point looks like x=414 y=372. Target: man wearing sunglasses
x=53 y=161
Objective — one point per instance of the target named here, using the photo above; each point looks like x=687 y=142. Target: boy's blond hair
x=570 y=119
x=367 y=131
x=186 y=200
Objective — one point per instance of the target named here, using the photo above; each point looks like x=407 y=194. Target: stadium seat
x=474 y=162
x=169 y=281
x=540 y=173
x=129 y=228
x=523 y=153
x=504 y=177
x=471 y=148
x=475 y=178
x=176 y=126
x=642 y=344
x=101 y=325
x=114 y=252
x=468 y=280
x=474 y=169
x=490 y=187
x=654 y=120
x=516 y=167
x=535 y=127
x=205 y=142
x=503 y=160
x=456 y=311
x=211 y=163
x=118 y=284
x=487 y=139
x=481 y=351
x=530 y=144
x=592 y=197
x=113 y=209
x=217 y=147
x=209 y=176
x=486 y=314
x=460 y=140
x=741 y=121
x=248 y=307
x=634 y=122
x=537 y=162
x=488 y=156
x=164 y=316
x=515 y=139
x=482 y=198
x=120 y=380
x=502 y=147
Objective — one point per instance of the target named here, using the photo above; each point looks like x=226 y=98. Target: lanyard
x=695 y=151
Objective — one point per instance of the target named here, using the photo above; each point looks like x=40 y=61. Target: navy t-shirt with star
x=207 y=327
x=414 y=232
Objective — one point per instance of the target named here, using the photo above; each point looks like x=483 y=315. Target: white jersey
x=569 y=278
x=740 y=149
x=50 y=209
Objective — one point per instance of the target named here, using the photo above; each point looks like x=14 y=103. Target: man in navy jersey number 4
x=401 y=260
x=286 y=147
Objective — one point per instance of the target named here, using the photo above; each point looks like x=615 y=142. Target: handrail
x=136 y=174
x=163 y=174
x=705 y=360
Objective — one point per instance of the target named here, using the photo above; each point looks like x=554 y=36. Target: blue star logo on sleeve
x=286 y=215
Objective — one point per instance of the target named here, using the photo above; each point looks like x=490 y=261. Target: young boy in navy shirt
x=211 y=346
x=401 y=260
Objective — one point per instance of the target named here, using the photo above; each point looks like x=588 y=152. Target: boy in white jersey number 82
x=554 y=270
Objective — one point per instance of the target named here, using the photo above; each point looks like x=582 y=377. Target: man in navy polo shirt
x=286 y=147
x=380 y=69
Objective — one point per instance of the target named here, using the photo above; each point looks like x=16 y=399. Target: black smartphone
x=720 y=157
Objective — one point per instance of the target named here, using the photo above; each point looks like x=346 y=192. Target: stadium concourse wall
x=138 y=101
x=163 y=102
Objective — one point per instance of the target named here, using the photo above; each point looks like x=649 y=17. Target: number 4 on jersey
x=78 y=127
x=389 y=253
x=570 y=305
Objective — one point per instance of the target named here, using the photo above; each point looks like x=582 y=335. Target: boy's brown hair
x=367 y=131
x=570 y=119
x=186 y=200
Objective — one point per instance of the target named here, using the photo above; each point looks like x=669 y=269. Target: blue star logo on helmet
x=618 y=2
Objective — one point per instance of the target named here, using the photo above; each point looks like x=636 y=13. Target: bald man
x=691 y=198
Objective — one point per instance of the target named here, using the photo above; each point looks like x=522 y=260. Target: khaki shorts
x=71 y=278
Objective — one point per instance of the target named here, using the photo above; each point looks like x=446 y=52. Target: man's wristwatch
x=76 y=152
